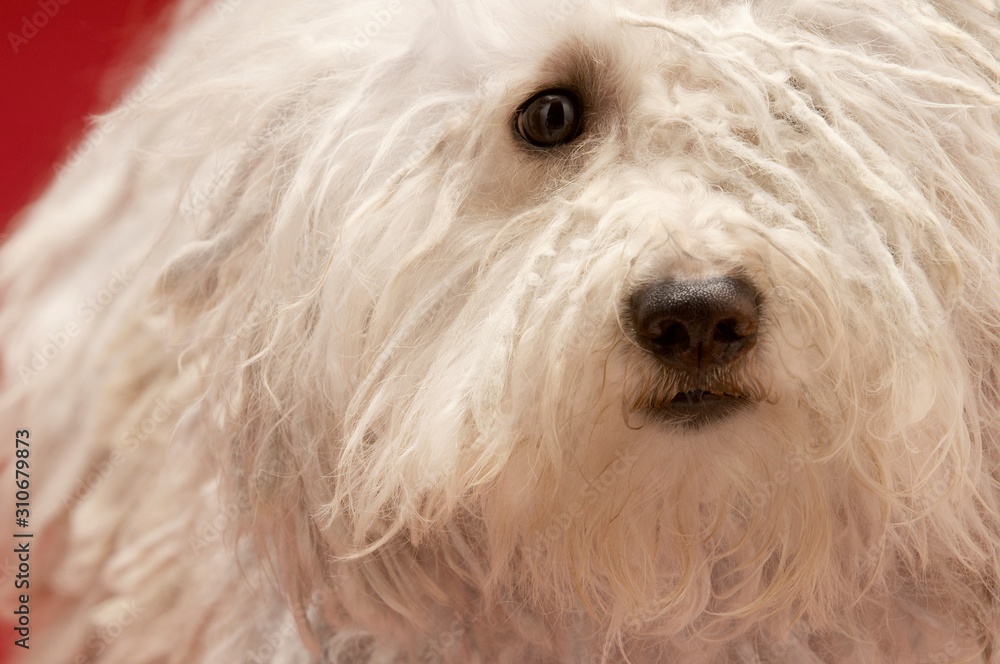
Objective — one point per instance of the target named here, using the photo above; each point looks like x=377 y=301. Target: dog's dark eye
x=549 y=118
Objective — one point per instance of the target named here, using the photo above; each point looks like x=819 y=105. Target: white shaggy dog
x=520 y=332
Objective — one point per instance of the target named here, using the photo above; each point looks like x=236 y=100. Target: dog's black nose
x=696 y=325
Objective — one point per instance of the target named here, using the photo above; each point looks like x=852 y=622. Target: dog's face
x=650 y=311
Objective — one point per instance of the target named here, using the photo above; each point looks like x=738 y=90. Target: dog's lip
x=696 y=407
x=698 y=398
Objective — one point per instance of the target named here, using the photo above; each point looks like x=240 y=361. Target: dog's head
x=676 y=317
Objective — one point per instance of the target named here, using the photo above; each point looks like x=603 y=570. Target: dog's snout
x=696 y=325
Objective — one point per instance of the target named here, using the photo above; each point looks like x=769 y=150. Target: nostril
x=728 y=331
x=675 y=334
x=662 y=330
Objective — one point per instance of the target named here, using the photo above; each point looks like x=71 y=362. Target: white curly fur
x=322 y=364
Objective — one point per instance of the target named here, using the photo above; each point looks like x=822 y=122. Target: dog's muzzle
x=697 y=330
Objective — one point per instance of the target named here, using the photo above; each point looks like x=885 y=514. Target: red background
x=79 y=61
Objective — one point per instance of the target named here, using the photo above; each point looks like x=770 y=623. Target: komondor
x=518 y=332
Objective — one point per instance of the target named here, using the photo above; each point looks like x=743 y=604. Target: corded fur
x=369 y=393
